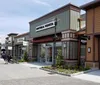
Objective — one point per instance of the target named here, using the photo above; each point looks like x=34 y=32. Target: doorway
x=46 y=53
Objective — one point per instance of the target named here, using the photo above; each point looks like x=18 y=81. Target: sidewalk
x=1 y=61
x=91 y=76
x=34 y=64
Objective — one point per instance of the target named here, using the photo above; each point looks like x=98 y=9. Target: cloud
x=14 y=24
x=2 y=39
x=41 y=3
x=15 y=14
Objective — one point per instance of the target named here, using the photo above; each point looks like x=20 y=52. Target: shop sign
x=23 y=48
x=83 y=41
x=45 y=26
x=25 y=43
x=9 y=47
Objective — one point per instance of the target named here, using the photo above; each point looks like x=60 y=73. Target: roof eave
x=12 y=34
x=90 y=5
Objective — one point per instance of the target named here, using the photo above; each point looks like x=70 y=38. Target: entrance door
x=48 y=54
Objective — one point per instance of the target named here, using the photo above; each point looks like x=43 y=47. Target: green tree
x=25 y=56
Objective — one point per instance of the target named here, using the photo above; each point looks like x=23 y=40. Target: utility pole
x=79 y=43
x=55 y=36
x=12 y=48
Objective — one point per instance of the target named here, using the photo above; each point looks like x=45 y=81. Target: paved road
x=18 y=71
x=16 y=74
x=47 y=80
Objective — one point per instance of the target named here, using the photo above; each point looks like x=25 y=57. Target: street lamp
x=55 y=37
x=6 y=43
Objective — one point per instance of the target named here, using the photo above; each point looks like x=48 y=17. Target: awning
x=43 y=40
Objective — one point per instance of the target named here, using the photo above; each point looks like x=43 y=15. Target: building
x=21 y=44
x=2 y=48
x=10 y=44
x=17 y=45
x=93 y=32
x=63 y=26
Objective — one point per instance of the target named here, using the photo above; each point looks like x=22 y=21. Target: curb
x=70 y=75
x=61 y=73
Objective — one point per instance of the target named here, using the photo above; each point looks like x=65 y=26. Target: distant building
x=17 y=45
x=21 y=44
x=10 y=43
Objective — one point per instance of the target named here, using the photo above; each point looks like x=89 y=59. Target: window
x=76 y=50
x=83 y=49
x=63 y=36
x=67 y=35
x=67 y=50
x=10 y=39
x=70 y=50
x=71 y=35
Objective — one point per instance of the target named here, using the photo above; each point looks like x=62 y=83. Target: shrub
x=32 y=60
x=25 y=56
x=76 y=67
x=87 y=68
x=59 y=66
x=59 y=58
x=65 y=66
x=21 y=60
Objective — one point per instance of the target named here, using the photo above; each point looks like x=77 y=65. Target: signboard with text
x=25 y=43
x=9 y=48
x=45 y=26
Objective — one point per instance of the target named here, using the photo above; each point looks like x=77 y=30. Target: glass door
x=48 y=54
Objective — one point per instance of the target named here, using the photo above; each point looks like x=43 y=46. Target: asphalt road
x=16 y=74
x=49 y=80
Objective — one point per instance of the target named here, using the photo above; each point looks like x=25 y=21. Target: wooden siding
x=90 y=44
x=90 y=21
x=97 y=19
x=96 y=49
x=74 y=24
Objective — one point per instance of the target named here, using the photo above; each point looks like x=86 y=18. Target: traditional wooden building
x=93 y=32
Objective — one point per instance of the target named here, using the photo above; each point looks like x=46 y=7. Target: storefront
x=45 y=52
x=64 y=23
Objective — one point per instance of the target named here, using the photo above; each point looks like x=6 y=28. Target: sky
x=15 y=15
